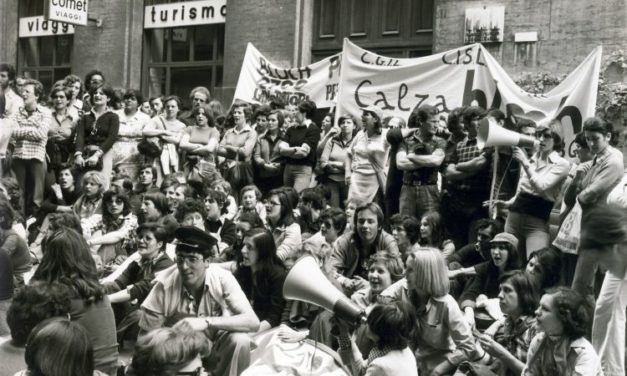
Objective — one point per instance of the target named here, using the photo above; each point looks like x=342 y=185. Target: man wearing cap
x=419 y=157
x=468 y=177
x=203 y=297
x=299 y=148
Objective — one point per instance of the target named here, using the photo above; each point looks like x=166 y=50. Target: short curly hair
x=573 y=310
x=33 y=304
x=190 y=205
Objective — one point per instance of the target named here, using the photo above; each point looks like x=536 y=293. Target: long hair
x=59 y=347
x=528 y=298
x=434 y=220
x=287 y=210
x=574 y=311
x=111 y=222
x=67 y=260
x=267 y=260
x=376 y=209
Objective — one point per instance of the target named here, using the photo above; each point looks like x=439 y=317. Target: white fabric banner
x=468 y=75
x=260 y=81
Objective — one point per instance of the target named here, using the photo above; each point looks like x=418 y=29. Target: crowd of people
x=127 y=222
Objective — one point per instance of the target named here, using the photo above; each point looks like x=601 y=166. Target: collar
x=91 y=111
x=553 y=157
x=68 y=114
x=246 y=128
x=24 y=112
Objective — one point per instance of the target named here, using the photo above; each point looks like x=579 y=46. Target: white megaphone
x=305 y=282
x=491 y=134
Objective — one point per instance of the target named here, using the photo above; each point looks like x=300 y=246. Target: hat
x=505 y=237
x=377 y=111
x=193 y=239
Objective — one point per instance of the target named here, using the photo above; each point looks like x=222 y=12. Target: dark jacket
x=267 y=295
x=140 y=276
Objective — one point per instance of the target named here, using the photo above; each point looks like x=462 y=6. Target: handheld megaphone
x=305 y=282
x=490 y=134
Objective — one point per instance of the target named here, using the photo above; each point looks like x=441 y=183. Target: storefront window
x=179 y=59
x=46 y=59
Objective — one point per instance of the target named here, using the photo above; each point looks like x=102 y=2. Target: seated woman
x=169 y=351
x=285 y=230
x=443 y=338
x=176 y=193
x=216 y=222
x=508 y=340
x=383 y=271
x=67 y=260
x=58 y=346
x=486 y=283
x=352 y=251
x=61 y=195
x=88 y=207
x=261 y=275
x=134 y=284
x=247 y=221
x=114 y=239
x=406 y=232
x=231 y=205
x=250 y=200
x=432 y=234
x=390 y=327
x=543 y=268
x=564 y=318
x=13 y=245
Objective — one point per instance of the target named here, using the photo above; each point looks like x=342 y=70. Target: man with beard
x=419 y=157
x=199 y=95
x=203 y=297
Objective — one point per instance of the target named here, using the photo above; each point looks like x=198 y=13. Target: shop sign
x=69 y=11
x=186 y=13
x=38 y=26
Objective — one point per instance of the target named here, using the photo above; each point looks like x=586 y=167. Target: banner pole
x=493 y=193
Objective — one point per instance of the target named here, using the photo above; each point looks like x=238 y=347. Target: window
x=179 y=59
x=400 y=28
x=47 y=59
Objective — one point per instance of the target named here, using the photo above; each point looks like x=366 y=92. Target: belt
x=418 y=183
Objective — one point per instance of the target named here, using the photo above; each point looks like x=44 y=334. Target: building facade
x=169 y=46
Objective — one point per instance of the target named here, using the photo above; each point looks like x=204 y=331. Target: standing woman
x=67 y=260
x=199 y=141
x=538 y=189
x=60 y=145
x=333 y=160
x=132 y=123
x=238 y=143
x=366 y=165
x=96 y=132
x=267 y=157
x=261 y=274
x=604 y=235
x=593 y=183
x=169 y=131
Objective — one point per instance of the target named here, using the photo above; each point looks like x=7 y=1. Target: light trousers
x=608 y=328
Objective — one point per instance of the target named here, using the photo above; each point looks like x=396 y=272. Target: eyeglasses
x=188 y=260
x=197 y=372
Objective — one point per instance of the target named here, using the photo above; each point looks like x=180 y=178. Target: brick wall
x=567 y=30
x=270 y=25
x=115 y=47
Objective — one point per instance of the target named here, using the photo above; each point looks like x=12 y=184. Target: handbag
x=150 y=148
x=88 y=152
x=567 y=237
x=240 y=174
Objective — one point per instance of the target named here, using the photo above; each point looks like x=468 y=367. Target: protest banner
x=260 y=81
x=468 y=75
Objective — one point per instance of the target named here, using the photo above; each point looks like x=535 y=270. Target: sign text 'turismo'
x=186 y=13
x=68 y=11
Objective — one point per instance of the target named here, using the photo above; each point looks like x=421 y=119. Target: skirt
x=363 y=188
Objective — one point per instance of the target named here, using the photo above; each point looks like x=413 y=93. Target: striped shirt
x=31 y=133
